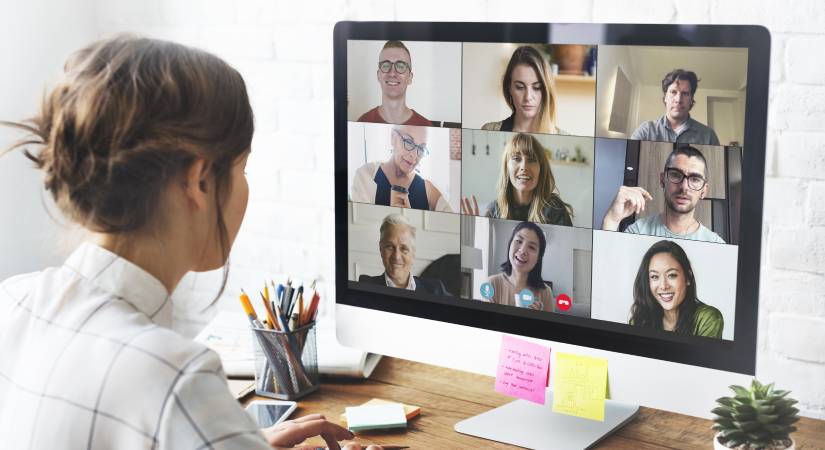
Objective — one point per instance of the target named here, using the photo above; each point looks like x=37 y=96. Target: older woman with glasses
x=394 y=182
x=394 y=76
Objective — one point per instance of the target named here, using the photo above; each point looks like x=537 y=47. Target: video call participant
x=664 y=295
x=526 y=186
x=522 y=270
x=397 y=247
x=684 y=183
x=394 y=76
x=395 y=182
x=676 y=125
x=530 y=92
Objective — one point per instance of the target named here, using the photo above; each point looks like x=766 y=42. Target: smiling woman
x=526 y=186
x=396 y=181
x=520 y=282
x=664 y=295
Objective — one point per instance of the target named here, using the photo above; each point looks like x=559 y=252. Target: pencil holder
x=286 y=363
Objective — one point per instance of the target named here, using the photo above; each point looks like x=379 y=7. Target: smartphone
x=270 y=412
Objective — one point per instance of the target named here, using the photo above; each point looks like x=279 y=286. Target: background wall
x=284 y=50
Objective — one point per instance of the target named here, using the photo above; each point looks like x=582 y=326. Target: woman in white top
x=144 y=143
x=396 y=182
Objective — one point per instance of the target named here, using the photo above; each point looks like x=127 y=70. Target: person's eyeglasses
x=410 y=145
x=386 y=65
x=676 y=176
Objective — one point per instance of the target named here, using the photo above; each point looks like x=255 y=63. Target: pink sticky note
x=522 y=369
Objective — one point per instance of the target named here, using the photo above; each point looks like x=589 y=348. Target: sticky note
x=580 y=386
x=522 y=369
x=360 y=418
x=410 y=411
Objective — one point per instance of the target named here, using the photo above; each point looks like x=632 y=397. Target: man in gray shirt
x=676 y=125
x=684 y=183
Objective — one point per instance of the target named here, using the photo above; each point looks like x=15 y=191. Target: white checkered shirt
x=87 y=361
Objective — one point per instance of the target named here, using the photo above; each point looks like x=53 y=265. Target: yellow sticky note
x=580 y=386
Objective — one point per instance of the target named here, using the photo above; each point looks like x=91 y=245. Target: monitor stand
x=531 y=425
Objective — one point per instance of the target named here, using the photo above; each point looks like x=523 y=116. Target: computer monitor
x=597 y=187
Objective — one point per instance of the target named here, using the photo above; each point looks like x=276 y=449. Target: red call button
x=563 y=302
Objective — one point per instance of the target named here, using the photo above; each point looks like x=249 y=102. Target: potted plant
x=759 y=418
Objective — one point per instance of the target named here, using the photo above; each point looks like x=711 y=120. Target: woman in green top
x=664 y=295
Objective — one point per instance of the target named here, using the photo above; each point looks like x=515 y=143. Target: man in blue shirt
x=676 y=125
x=684 y=183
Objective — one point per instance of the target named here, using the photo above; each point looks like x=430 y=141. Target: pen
x=294 y=302
x=250 y=311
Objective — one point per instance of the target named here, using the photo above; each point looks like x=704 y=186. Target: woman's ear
x=196 y=184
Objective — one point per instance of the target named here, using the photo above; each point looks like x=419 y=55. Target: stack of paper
x=373 y=417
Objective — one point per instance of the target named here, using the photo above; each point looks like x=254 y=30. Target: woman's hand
x=399 y=199
x=537 y=305
x=469 y=208
x=290 y=433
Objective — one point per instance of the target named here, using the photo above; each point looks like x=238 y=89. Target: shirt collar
x=410 y=283
x=685 y=126
x=124 y=280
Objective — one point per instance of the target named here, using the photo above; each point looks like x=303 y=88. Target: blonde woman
x=526 y=187
x=143 y=143
x=530 y=92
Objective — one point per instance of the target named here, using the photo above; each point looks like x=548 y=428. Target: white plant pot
x=718 y=446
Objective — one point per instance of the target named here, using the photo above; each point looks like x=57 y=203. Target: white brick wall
x=284 y=50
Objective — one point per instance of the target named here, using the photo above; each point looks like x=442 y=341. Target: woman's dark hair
x=534 y=279
x=646 y=310
x=128 y=117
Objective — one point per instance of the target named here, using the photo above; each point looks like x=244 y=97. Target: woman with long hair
x=530 y=92
x=144 y=144
x=522 y=271
x=526 y=186
x=664 y=295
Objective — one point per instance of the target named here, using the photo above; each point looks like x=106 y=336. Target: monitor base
x=531 y=425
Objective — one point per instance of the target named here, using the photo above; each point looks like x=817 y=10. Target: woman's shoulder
x=708 y=321
x=555 y=211
x=707 y=312
x=369 y=168
x=492 y=126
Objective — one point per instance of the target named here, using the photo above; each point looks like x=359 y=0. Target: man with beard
x=684 y=183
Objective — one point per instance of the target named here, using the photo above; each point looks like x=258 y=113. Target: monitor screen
x=580 y=190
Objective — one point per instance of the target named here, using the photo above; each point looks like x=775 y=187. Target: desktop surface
x=448 y=396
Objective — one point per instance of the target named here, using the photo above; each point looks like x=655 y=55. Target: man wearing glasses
x=676 y=125
x=395 y=182
x=394 y=75
x=684 y=183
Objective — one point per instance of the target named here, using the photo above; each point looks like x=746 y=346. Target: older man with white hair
x=397 y=248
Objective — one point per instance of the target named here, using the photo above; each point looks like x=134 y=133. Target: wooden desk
x=448 y=396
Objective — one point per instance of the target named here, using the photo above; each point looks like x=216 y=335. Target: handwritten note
x=580 y=386
x=522 y=369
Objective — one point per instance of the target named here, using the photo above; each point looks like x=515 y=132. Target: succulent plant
x=755 y=418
